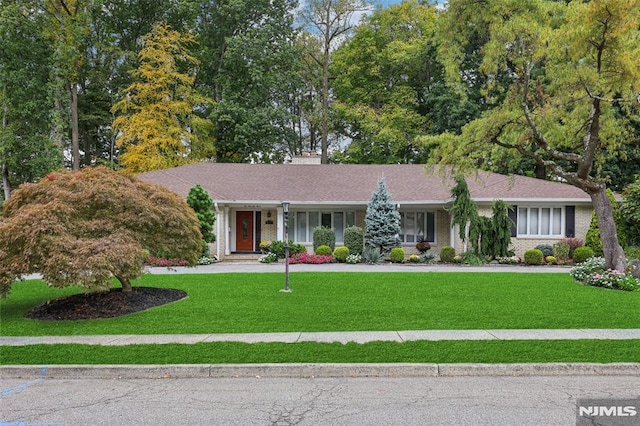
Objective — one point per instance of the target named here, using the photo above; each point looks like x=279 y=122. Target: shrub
x=278 y=248
x=574 y=243
x=634 y=268
x=447 y=253
x=546 y=249
x=561 y=250
x=422 y=245
x=414 y=258
x=323 y=250
x=471 y=258
x=323 y=236
x=200 y=201
x=397 y=255
x=632 y=252
x=533 y=257
x=341 y=254
x=268 y=258
x=550 y=260
x=582 y=253
x=354 y=239
x=509 y=260
x=352 y=259
x=427 y=257
x=264 y=246
x=372 y=255
x=207 y=260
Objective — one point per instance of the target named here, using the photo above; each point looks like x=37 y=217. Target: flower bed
x=159 y=261
x=593 y=272
x=310 y=258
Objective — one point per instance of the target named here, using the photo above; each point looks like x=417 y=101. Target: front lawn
x=252 y=303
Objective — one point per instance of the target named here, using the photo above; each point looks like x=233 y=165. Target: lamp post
x=285 y=210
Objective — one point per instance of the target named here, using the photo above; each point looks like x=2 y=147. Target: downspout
x=227 y=232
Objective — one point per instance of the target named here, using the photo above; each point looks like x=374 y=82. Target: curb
x=313 y=370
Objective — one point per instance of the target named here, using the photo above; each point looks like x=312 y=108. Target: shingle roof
x=350 y=184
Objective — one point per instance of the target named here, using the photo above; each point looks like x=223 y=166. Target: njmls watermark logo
x=608 y=412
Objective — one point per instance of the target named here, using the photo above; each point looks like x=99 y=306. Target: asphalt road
x=539 y=400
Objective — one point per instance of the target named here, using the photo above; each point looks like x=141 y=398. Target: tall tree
x=571 y=62
x=247 y=59
x=27 y=151
x=330 y=21
x=68 y=28
x=382 y=220
x=157 y=118
x=381 y=78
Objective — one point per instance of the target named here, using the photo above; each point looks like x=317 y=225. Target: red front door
x=244 y=231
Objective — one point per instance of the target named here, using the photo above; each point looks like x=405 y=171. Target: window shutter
x=513 y=215
x=570 y=221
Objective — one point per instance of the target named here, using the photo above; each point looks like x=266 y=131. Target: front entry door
x=244 y=231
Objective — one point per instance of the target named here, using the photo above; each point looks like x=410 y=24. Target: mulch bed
x=104 y=304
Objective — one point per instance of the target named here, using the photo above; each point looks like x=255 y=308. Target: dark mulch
x=104 y=304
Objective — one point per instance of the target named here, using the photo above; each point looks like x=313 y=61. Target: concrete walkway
x=257 y=267
x=329 y=337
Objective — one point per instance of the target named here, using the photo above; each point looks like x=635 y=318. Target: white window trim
x=435 y=225
x=538 y=235
x=293 y=215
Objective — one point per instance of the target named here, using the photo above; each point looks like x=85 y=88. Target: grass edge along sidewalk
x=444 y=351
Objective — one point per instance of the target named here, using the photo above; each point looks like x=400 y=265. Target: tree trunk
x=5 y=181
x=75 y=133
x=126 y=284
x=5 y=171
x=613 y=253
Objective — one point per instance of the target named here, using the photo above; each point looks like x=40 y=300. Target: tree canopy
x=157 y=121
x=83 y=228
x=572 y=65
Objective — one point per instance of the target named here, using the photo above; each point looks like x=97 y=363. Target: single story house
x=248 y=201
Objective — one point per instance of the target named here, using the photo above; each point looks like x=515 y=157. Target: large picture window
x=540 y=221
x=304 y=222
x=417 y=225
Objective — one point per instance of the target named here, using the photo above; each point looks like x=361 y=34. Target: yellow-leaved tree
x=157 y=123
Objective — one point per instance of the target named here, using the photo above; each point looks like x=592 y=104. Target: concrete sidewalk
x=257 y=267
x=329 y=337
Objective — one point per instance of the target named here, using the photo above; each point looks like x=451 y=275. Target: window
x=540 y=221
x=417 y=225
x=307 y=221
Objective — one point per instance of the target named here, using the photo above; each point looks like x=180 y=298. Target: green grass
x=249 y=303
x=599 y=351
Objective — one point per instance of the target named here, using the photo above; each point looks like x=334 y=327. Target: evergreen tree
x=463 y=211
x=501 y=227
x=200 y=201
x=382 y=220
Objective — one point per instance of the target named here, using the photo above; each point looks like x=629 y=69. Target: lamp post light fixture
x=285 y=210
